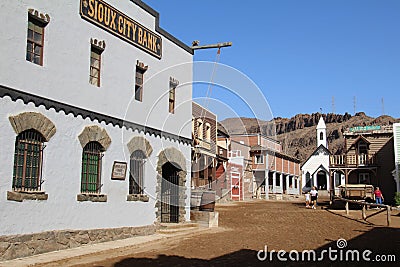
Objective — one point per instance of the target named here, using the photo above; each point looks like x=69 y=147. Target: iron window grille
x=28 y=160
x=136 y=174
x=35 y=41
x=91 y=167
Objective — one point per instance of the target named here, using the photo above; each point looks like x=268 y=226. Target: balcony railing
x=352 y=160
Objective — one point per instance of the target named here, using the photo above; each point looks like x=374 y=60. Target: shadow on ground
x=383 y=242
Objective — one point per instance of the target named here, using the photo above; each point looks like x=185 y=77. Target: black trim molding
x=15 y=94
x=158 y=29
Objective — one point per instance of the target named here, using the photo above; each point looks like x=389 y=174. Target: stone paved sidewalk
x=129 y=245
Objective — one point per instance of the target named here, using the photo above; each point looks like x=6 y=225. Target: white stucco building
x=95 y=100
x=396 y=173
x=315 y=170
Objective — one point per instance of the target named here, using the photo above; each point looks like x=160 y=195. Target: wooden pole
x=347 y=208
x=218 y=45
x=364 y=215
x=388 y=215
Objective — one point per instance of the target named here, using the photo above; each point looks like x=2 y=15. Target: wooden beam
x=218 y=45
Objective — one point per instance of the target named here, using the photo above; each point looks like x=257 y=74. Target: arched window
x=136 y=174
x=28 y=160
x=321 y=136
x=91 y=167
x=308 y=179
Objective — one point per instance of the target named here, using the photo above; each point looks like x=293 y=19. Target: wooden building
x=396 y=172
x=204 y=148
x=368 y=158
x=274 y=172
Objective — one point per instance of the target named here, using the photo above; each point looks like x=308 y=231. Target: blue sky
x=300 y=53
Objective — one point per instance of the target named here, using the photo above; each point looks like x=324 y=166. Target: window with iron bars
x=136 y=176
x=91 y=167
x=28 y=160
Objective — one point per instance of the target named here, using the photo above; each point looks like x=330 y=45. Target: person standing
x=314 y=197
x=378 y=196
x=307 y=195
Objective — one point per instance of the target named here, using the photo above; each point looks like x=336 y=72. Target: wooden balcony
x=353 y=161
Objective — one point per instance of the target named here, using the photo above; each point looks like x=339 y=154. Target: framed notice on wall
x=119 y=170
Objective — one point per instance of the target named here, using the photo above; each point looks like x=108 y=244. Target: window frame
x=308 y=180
x=364 y=178
x=35 y=43
x=33 y=144
x=200 y=128
x=137 y=164
x=98 y=52
x=208 y=132
x=258 y=156
x=171 y=98
x=94 y=149
x=139 y=80
x=362 y=147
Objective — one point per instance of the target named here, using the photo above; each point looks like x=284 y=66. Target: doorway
x=169 y=194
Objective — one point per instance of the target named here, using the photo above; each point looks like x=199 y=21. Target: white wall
x=312 y=164
x=62 y=175
x=64 y=75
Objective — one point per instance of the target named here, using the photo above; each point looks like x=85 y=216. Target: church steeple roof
x=321 y=123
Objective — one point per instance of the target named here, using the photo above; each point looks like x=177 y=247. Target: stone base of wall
x=18 y=246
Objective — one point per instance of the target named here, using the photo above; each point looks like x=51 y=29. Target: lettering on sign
x=119 y=170
x=365 y=128
x=114 y=21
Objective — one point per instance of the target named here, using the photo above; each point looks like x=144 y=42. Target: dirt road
x=246 y=228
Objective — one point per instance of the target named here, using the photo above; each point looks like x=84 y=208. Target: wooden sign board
x=114 y=21
x=119 y=170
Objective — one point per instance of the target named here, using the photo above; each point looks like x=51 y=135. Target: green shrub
x=397 y=198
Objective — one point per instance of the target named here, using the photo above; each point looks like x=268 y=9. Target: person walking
x=378 y=196
x=314 y=197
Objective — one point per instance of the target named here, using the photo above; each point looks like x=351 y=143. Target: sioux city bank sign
x=107 y=17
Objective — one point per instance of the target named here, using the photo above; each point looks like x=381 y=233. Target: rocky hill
x=298 y=134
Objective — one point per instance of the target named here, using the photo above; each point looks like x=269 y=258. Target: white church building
x=315 y=170
x=95 y=105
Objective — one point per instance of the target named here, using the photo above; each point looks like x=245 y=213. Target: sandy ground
x=247 y=228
